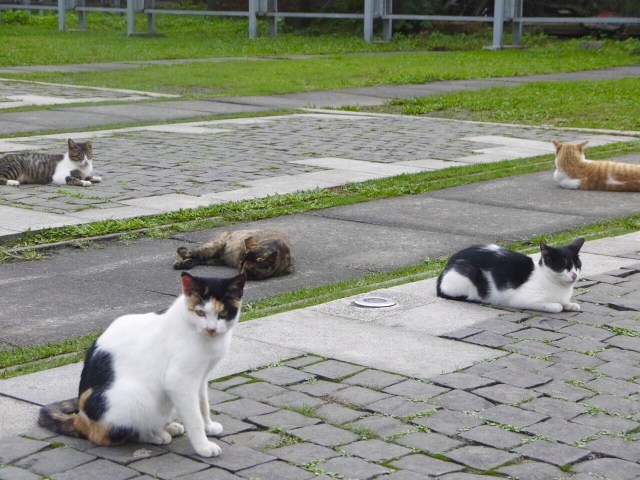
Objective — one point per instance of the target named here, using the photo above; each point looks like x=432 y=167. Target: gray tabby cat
x=72 y=168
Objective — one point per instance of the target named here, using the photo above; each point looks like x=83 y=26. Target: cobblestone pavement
x=221 y=156
x=15 y=93
x=563 y=404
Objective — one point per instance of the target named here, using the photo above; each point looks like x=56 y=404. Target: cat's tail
x=61 y=417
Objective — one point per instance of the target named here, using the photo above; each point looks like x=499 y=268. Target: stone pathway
x=394 y=393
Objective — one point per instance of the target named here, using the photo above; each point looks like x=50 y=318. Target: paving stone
x=628 y=323
x=15 y=448
x=429 y=442
x=579 y=344
x=624 y=342
x=256 y=440
x=448 y=422
x=231 y=382
x=506 y=394
x=517 y=378
x=576 y=359
x=534 y=349
x=281 y=375
x=383 y=426
x=319 y=388
x=217 y=396
x=560 y=389
x=77 y=443
x=294 y=400
x=374 y=379
x=167 y=466
x=616 y=447
x=461 y=401
x=489 y=339
x=592 y=319
x=406 y=475
x=237 y=457
x=481 y=368
x=554 y=453
x=560 y=371
x=517 y=317
x=613 y=387
x=54 y=461
x=333 y=369
x=620 y=355
x=598 y=334
x=494 y=437
x=243 y=408
x=612 y=468
x=303 y=361
x=303 y=453
x=426 y=465
x=462 y=381
x=276 y=471
x=554 y=408
x=482 y=458
x=130 y=452
x=537 y=334
x=208 y=474
x=533 y=471
x=619 y=370
x=182 y=446
x=38 y=433
x=358 y=396
x=400 y=407
x=231 y=425
x=285 y=419
x=606 y=422
x=542 y=323
x=614 y=404
x=98 y=470
x=257 y=391
x=325 y=435
x=461 y=333
x=350 y=467
x=562 y=430
x=499 y=326
x=508 y=415
x=14 y=473
x=376 y=450
x=465 y=476
x=528 y=364
x=415 y=389
x=333 y=413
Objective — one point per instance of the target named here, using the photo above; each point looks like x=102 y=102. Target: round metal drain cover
x=375 y=302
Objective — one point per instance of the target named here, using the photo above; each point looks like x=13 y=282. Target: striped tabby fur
x=72 y=168
x=574 y=171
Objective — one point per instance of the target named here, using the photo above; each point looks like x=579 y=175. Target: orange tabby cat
x=574 y=171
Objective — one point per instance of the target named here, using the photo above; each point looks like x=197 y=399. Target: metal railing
x=504 y=11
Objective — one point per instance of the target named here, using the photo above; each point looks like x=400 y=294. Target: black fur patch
x=562 y=258
x=162 y=312
x=120 y=434
x=226 y=290
x=97 y=375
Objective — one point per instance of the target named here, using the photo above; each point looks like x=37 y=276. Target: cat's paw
x=159 y=438
x=174 y=429
x=552 y=307
x=95 y=179
x=213 y=428
x=186 y=264
x=13 y=183
x=210 y=449
x=571 y=307
x=85 y=183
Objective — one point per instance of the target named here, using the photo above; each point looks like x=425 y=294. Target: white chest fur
x=64 y=168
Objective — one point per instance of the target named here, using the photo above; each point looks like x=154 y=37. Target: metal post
x=82 y=18
x=131 y=21
x=273 y=21
x=62 y=14
x=498 y=24
x=368 y=20
x=387 y=24
x=517 y=26
x=151 y=18
x=253 y=22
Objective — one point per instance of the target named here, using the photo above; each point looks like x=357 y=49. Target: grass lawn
x=235 y=78
x=608 y=104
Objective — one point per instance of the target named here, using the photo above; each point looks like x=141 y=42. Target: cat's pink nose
x=574 y=276
x=210 y=331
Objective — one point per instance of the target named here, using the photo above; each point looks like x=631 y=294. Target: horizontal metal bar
x=101 y=9
x=4 y=6
x=314 y=15
x=436 y=18
x=621 y=20
x=196 y=12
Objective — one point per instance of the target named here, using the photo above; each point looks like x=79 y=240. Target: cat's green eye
x=200 y=313
x=223 y=313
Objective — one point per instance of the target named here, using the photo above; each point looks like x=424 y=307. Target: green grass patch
x=233 y=78
x=607 y=104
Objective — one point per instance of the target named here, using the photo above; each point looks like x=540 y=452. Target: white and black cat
x=497 y=276
x=72 y=168
x=145 y=368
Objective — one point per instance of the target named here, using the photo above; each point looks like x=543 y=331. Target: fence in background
x=504 y=11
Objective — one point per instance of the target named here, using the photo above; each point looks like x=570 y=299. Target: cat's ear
x=88 y=145
x=189 y=284
x=250 y=243
x=71 y=144
x=544 y=248
x=236 y=286
x=581 y=145
x=273 y=257
x=576 y=245
x=557 y=145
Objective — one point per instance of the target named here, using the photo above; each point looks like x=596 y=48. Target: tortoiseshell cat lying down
x=259 y=254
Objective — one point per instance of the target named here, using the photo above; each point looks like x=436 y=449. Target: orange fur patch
x=97 y=432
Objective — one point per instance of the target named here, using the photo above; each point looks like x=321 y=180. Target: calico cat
x=145 y=366
x=72 y=168
x=574 y=171
x=257 y=253
x=497 y=276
